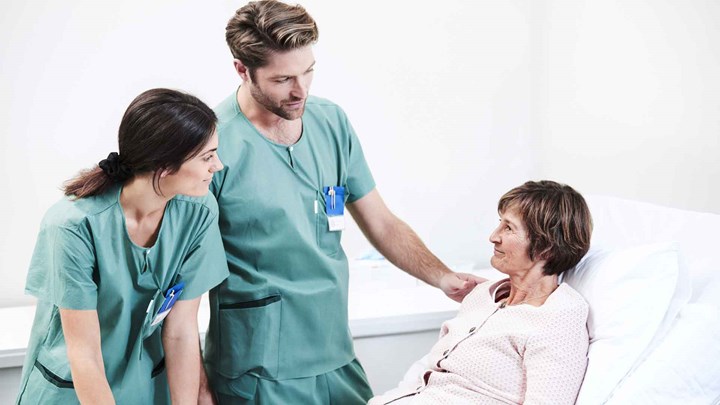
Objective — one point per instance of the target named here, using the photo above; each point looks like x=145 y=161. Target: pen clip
x=331 y=192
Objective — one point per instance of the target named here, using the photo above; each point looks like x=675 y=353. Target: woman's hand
x=205 y=397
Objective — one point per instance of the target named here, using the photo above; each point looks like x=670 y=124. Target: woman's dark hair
x=557 y=219
x=161 y=129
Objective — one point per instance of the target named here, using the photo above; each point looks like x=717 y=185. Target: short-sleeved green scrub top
x=282 y=312
x=84 y=259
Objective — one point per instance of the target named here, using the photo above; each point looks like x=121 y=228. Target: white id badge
x=160 y=317
x=336 y=223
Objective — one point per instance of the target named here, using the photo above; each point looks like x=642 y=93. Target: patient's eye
x=506 y=227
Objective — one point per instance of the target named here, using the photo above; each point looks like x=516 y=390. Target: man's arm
x=82 y=337
x=182 y=353
x=403 y=248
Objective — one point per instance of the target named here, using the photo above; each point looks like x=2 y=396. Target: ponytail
x=98 y=179
x=88 y=183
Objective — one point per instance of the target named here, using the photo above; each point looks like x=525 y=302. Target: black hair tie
x=117 y=171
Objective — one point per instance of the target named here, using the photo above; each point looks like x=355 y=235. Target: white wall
x=440 y=97
x=626 y=98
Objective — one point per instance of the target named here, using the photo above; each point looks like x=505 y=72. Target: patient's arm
x=413 y=377
x=410 y=382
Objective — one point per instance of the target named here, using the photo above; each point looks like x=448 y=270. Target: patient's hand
x=458 y=285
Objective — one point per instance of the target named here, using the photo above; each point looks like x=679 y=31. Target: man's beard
x=276 y=108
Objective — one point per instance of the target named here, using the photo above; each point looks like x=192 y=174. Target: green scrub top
x=282 y=312
x=84 y=259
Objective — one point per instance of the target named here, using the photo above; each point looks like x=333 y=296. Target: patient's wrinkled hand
x=458 y=285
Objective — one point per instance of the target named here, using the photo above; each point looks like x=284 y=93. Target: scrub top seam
x=200 y=203
x=76 y=223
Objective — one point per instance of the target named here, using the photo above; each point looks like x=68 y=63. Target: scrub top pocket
x=45 y=387
x=148 y=329
x=250 y=336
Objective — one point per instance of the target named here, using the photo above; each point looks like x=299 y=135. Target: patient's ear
x=541 y=258
x=542 y=255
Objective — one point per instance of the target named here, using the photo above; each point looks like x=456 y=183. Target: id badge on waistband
x=335 y=207
x=171 y=296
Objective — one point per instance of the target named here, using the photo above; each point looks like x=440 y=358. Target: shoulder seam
x=74 y=224
x=192 y=200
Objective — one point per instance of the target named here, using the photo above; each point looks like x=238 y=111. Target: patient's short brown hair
x=557 y=220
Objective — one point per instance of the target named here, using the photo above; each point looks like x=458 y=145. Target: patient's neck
x=531 y=288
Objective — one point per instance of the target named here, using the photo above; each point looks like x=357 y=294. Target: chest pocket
x=328 y=241
x=148 y=328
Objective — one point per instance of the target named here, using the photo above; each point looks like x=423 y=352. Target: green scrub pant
x=344 y=386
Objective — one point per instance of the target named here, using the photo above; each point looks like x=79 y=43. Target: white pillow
x=619 y=223
x=628 y=291
x=684 y=369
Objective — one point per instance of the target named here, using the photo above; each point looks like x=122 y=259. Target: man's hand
x=458 y=285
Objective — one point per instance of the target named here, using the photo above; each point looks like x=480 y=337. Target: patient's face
x=511 y=245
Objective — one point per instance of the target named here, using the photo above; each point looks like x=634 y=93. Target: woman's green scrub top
x=84 y=260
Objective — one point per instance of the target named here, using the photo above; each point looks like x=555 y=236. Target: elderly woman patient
x=522 y=339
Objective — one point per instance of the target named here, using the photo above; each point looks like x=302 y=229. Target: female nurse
x=121 y=262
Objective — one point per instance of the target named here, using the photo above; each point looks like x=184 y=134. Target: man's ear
x=242 y=70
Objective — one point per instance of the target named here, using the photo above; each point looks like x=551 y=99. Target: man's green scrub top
x=282 y=312
x=85 y=260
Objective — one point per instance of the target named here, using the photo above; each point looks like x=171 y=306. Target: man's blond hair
x=262 y=27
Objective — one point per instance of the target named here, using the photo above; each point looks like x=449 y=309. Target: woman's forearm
x=82 y=338
x=182 y=353
x=91 y=385
x=182 y=356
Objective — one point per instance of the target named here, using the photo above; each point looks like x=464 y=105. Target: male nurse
x=294 y=169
